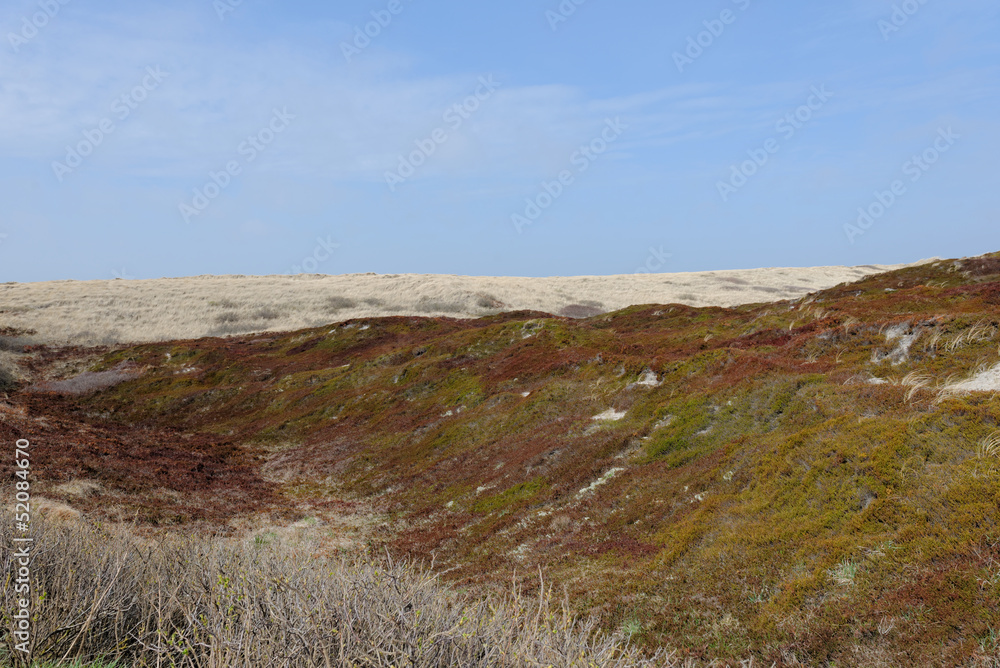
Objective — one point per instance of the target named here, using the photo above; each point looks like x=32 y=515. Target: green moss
x=510 y=498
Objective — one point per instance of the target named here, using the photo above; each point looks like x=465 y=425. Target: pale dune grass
x=120 y=311
x=216 y=603
x=984 y=380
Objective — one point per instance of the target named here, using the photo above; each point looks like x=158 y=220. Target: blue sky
x=755 y=147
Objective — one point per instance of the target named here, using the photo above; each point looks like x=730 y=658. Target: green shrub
x=7 y=380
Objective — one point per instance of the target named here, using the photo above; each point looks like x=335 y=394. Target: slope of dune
x=798 y=481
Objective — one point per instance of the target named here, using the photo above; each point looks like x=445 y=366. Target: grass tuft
x=989 y=447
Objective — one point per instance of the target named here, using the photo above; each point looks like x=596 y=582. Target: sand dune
x=119 y=311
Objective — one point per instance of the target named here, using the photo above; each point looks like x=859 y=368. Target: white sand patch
x=666 y=421
x=984 y=381
x=603 y=480
x=119 y=311
x=906 y=337
x=649 y=379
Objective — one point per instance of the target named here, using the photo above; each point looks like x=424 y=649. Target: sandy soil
x=119 y=311
x=984 y=381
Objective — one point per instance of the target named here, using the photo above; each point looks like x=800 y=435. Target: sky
x=529 y=137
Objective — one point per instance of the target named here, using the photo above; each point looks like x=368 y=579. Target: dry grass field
x=119 y=311
x=118 y=600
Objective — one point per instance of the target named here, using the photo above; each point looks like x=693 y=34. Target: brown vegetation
x=101 y=594
x=801 y=482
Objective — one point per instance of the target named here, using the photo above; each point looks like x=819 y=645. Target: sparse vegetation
x=430 y=305
x=587 y=309
x=13 y=344
x=102 y=597
x=336 y=303
x=7 y=380
x=89 y=381
x=489 y=302
x=800 y=482
x=844 y=573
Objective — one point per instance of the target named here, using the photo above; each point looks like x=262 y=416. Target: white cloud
x=354 y=120
x=351 y=120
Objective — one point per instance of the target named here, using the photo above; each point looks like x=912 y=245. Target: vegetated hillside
x=799 y=481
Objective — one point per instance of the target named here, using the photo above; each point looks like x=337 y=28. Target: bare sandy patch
x=987 y=380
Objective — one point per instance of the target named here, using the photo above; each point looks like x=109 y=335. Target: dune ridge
x=135 y=311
